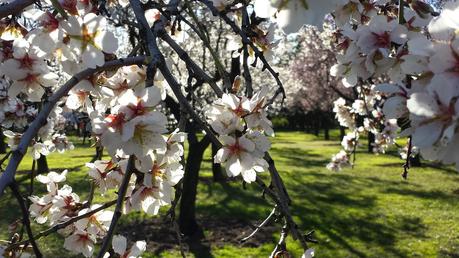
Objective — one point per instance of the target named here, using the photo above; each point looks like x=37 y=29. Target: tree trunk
x=342 y=132
x=415 y=161
x=99 y=153
x=2 y=143
x=371 y=140
x=326 y=129
x=216 y=167
x=187 y=217
x=42 y=165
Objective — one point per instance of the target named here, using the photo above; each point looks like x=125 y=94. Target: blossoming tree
x=71 y=54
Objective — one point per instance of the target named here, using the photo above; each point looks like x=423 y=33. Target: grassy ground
x=368 y=211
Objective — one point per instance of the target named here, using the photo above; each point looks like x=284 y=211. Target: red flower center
x=382 y=40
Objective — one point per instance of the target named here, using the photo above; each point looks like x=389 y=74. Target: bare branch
x=268 y=219
x=280 y=247
x=25 y=218
x=190 y=63
x=14 y=7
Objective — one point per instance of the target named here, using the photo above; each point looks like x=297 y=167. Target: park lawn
x=367 y=211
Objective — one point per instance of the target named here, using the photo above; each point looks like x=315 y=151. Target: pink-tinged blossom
x=241 y=156
x=80 y=242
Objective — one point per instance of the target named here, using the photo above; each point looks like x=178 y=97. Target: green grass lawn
x=367 y=211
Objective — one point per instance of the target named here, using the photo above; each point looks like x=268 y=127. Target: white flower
x=225 y=114
x=96 y=224
x=380 y=34
x=143 y=133
x=39 y=207
x=293 y=14
x=51 y=180
x=65 y=204
x=349 y=141
x=80 y=242
x=308 y=253
x=106 y=174
x=119 y=244
x=395 y=104
x=28 y=72
x=343 y=113
x=239 y=156
x=341 y=159
x=13 y=139
x=39 y=149
x=88 y=37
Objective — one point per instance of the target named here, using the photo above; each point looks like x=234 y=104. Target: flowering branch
x=62 y=225
x=7 y=177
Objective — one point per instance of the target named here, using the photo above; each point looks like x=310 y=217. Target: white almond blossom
x=89 y=39
x=119 y=244
x=80 y=242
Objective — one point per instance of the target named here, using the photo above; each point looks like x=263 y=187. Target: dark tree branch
x=25 y=218
x=246 y=40
x=266 y=221
x=280 y=247
x=246 y=72
x=14 y=7
x=190 y=63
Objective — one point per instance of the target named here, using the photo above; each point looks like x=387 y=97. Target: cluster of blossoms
x=411 y=72
x=363 y=115
x=124 y=114
x=50 y=137
x=61 y=204
x=242 y=124
x=29 y=74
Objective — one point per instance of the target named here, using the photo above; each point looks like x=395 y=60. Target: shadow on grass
x=341 y=211
x=345 y=208
x=424 y=164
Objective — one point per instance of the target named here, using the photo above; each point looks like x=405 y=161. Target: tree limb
x=14 y=7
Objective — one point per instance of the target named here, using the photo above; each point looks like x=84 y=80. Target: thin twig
x=246 y=40
x=190 y=63
x=284 y=211
x=280 y=247
x=245 y=65
x=14 y=7
x=25 y=218
x=268 y=219
x=4 y=159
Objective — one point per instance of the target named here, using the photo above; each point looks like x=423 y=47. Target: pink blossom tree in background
x=312 y=96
